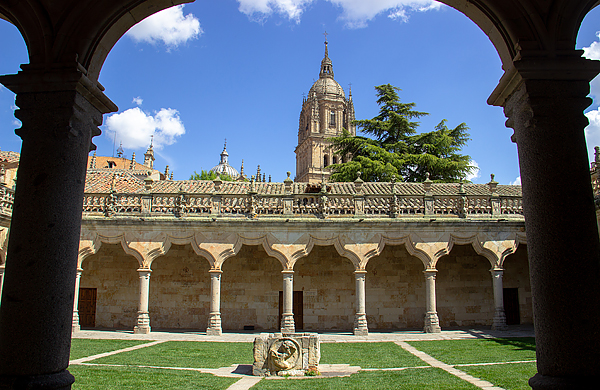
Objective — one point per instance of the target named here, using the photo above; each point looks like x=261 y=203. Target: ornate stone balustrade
x=6 y=200
x=256 y=200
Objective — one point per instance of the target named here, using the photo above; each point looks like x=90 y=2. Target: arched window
x=334 y=160
x=332 y=119
x=325 y=160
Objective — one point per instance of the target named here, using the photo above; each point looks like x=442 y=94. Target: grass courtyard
x=506 y=362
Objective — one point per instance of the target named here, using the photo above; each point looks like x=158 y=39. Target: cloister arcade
x=543 y=93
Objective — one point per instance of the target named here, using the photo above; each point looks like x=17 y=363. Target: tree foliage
x=395 y=149
x=207 y=175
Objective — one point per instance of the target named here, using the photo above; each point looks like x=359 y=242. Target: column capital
x=215 y=271
x=360 y=272
x=430 y=271
x=287 y=271
x=146 y=270
x=59 y=78
x=568 y=66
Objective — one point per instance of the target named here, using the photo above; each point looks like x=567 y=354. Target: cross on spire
x=325 y=33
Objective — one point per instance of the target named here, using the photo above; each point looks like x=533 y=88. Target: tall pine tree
x=395 y=149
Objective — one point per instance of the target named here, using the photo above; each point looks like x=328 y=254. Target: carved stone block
x=286 y=353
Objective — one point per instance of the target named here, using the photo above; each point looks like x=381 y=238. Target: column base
x=432 y=323
x=360 y=325
x=287 y=323
x=143 y=324
x=499 y=322
x=75 y=327
x=58 y=381
x=214 y=331
x=543 y=382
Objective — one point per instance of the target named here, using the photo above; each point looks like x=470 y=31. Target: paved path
x=326 y=337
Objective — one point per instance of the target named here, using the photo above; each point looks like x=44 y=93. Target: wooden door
x=298 y=309
x=87 y=307
x=511 y=306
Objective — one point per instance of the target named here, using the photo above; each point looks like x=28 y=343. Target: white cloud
x=138 y=101
x=476 y=173
x=517 y=182
x=169 y=26
x=261 y=9
x=355 y=13
x=134 y=127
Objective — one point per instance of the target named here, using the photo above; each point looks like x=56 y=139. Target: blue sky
x=210 y=70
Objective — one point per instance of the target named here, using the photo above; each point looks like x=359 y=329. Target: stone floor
x=326 y=337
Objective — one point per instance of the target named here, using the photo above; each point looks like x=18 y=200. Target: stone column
x=214 y=319
x=60 y=110
x=1 y=281
x=499 y=322
x=143 y=317
x=76 y=327
x=432 y=322
x=545 y=109
x=287 y=317
x=360 y=317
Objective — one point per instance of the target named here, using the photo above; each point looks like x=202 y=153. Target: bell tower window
x=332 y=119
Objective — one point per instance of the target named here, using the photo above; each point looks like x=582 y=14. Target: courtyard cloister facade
x=544 y=91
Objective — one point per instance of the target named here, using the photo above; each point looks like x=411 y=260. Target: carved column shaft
x=562 y=236
x=214 y=319
x=60 y=111
x=143 y=317
x=360 y=317
x=287 y=317
x=76 y=327
x=499 y=322
x=432 y=322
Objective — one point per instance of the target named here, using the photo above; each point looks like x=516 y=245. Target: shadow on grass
x=519 y=343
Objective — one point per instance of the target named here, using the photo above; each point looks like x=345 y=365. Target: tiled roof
x=131 y=181
x=9 y=157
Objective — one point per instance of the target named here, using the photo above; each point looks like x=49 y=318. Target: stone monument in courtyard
x=284 y=354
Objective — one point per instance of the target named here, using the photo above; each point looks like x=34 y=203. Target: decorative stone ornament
x=286 y=354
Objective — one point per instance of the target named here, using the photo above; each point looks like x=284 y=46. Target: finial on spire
x=120 y=150
x=225 y=146
x=326 y=49
x=151 y=140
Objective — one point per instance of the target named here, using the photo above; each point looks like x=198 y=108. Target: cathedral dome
x=224 y=167
x=327 y=88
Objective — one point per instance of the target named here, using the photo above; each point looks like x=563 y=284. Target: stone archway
x=543 y=93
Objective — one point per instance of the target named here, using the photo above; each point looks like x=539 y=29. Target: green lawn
x=417 y=379
x=479 y=350
x=185 y=354
x=508 y=376
x=83 y=347
x=175 y=354
x=116 y=378
x=368 y=355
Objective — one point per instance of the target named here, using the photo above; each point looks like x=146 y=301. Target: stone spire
x=132 y=163
x=326 y=64
x=93 y=162
x=149 y=155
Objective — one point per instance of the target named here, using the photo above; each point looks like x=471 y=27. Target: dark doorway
x=87 y=307
x=298 y=309
x=511 y=306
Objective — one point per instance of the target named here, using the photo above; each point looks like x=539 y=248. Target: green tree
x=207 y=175
x=397 y=150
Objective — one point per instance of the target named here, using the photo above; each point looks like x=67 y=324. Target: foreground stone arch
x=543 y=92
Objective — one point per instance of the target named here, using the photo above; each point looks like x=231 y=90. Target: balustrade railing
x=319 y=205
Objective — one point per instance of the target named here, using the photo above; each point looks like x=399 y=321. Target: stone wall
x=327 y=282
x=516 y=275
x=395 y=290
x=464 y=288
x=113 y=273
x=180 y=290
x=250 y=287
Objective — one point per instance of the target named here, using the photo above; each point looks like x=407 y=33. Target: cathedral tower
x=325 y=113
